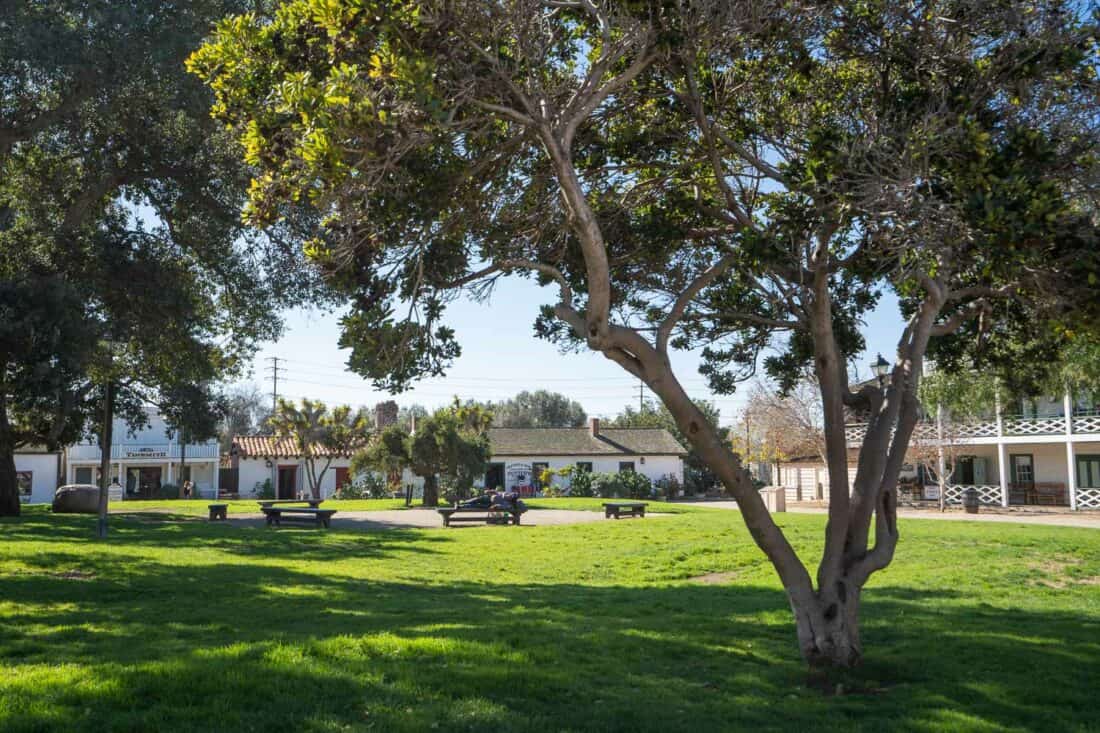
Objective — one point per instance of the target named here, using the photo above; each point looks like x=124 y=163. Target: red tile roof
x=270 y=446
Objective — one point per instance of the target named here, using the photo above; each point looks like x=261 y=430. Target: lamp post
x=106 y=438
x=880 y=367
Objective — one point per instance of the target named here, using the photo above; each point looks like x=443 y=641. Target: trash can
x=970 y=501
x=775 y=498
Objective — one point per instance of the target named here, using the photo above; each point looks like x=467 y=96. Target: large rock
x=76 y=499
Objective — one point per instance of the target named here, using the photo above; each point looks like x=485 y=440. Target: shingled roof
x=581 y=442
x=269 y=446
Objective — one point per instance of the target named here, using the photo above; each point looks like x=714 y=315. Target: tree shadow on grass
x=233 y=646
x=135 y=533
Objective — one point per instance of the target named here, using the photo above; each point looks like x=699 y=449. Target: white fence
x=988 y=495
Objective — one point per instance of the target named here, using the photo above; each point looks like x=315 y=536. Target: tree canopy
x=320 y=434
x=538 y=409
x=451 y=445
x=735 y=176
x=121 y=244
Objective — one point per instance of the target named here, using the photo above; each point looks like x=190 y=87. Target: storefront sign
x=519 y=474
x=146 y=453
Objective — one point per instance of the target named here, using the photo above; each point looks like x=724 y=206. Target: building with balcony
x=1035 y=452
x=145 y=461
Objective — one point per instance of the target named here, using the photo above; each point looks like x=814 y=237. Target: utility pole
x=641 y=396
x=273 y=370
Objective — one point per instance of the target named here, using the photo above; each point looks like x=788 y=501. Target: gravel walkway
x=1090 y=520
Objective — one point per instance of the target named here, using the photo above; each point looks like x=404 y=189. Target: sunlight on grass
x=196 y=626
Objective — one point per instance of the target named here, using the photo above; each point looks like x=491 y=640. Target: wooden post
x=1002 y=454
x=1071 y=463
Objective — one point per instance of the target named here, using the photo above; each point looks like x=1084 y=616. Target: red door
x=341 y=477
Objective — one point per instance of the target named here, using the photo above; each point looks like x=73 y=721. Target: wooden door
x=341 y=477
x=288 y=483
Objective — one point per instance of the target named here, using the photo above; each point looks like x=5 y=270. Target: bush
x=264 y=490
x=580 y=482
x=364 y=486
x=623 y=485
x=669 y=485
x=168 y=491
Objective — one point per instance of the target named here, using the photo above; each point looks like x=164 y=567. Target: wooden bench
x=278 y=514
x=218 y=511
x=490 y=515
x=313 y=503
x=618 y=509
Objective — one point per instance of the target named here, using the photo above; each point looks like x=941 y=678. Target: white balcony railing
x=1013 y=426
x=988 y=495
x=145 y=451
x=1034 y=425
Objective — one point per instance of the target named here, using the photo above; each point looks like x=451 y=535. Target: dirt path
x=1090 y=520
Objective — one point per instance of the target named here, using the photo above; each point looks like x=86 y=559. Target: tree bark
x=828 y=629
x=9 y=482
x=431 y=490
x=105 y=440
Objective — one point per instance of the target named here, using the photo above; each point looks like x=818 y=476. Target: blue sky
x=501 y=357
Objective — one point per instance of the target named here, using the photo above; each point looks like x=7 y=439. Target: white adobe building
x=262 y=458
x=144 y=461
x=38 y=472
x=518 y=457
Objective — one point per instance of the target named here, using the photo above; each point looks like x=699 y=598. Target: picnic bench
x=490 y=515
x=278 y=514
x=218 y=511
x=618 y=509
x=313 y=503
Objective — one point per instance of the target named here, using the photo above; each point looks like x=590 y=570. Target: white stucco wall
x=654 y=467
x=43 y=468
x=255 y=471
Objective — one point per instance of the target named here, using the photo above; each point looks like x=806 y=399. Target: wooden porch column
x=1002 y=454
x=1002 y=468
x=1071 y=463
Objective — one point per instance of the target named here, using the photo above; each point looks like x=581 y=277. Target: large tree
x=122 y=252
x=735 y=176
x=538 y=409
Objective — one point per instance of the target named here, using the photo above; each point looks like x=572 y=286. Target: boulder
x=76 y=499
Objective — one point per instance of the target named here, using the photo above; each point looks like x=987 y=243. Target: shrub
x=264 y=490
x=168 y=491
x=364 y=486
x=669 y=485
x=580 y=482
x=623 y=485
x=636 y=485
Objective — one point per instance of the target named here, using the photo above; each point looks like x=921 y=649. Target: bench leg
x=607 y=514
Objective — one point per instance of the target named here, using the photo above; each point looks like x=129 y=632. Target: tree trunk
x=828 y=628
x=431 y=490
x=105 y=440
x=9 y=483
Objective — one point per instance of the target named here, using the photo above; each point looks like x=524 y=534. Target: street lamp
x=880 y=367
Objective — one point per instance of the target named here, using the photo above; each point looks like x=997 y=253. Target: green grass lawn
x=190 y=626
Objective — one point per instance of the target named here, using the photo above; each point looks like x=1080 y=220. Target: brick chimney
x=594 y=426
